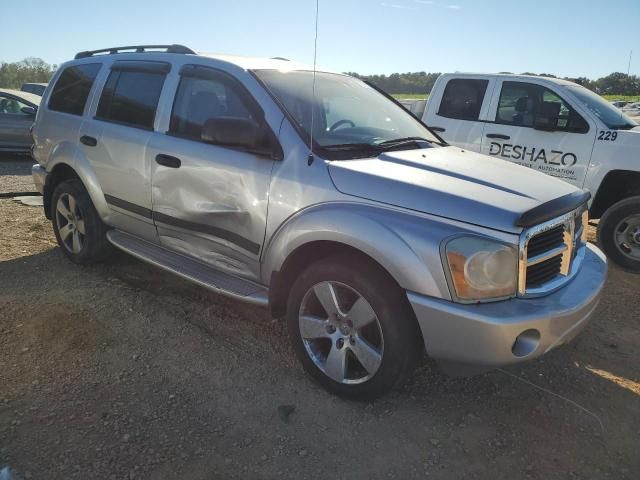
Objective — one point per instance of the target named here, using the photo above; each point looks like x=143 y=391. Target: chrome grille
x=546 y=241
x=548 y=253
x=543 y=272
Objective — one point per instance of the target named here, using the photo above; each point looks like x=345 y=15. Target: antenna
x=313 y=86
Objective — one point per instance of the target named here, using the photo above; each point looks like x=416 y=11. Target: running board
x=185 y=267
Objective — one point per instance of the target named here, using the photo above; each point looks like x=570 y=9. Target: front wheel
x=619 y=233
x=352 y=327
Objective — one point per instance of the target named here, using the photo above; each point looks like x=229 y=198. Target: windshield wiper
x=404 y=139
x=401 y=142
x=350 y=147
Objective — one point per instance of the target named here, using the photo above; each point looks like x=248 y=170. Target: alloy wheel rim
x=70 y=223
x=627 y=236
x=341 y=332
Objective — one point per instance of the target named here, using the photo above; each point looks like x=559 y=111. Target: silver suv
x=318 y=196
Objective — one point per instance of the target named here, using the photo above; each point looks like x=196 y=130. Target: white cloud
x=440 y=5
x=397 y=5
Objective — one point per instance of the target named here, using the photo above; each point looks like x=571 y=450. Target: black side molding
x=553 y=209
x=232 y=237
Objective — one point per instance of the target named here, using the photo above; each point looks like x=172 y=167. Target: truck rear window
x=462 y=99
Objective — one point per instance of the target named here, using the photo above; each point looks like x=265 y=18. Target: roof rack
x=136 y=49
x=280 y=58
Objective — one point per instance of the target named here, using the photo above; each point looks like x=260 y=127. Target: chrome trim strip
x=546 y=256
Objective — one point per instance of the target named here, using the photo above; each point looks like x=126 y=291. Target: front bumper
x=39 y=175
x=467 y=339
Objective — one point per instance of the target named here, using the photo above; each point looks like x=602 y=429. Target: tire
x=378 y=354
x=619 y=233
x=80 y=232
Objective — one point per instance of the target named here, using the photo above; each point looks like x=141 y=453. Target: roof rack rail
x=136 y=49
x=280 y=58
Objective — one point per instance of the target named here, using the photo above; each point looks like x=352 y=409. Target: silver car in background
x=17 y=114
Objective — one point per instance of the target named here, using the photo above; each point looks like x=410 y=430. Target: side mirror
x=547 y=116
x=29 y=110
x=232 y=132
x=239 y=133
x=547 y=124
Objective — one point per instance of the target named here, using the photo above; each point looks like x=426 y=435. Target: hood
x=450 y=182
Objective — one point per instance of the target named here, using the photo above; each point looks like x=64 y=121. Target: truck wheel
x=619 y=233
x=352 y=327
x=79 y=230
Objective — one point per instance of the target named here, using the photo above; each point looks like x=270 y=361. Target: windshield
x=607 y=113
x=348 y=115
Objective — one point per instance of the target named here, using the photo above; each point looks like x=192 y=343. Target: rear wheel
x=619 y=233
x=79 y=230
x=352 y=327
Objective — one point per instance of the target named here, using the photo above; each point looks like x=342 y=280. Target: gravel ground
x=121 y=371
x=15 y=174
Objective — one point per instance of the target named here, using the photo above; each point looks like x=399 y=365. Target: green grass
x=409 y=96
x=628 y=98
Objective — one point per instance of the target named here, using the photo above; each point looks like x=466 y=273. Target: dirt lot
x=15 y=174
x=122 y=371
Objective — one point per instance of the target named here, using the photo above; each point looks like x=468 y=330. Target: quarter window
x=72 y=88
x=131 y=97
x=201 y=99
x=521 y=103
x=462 y=99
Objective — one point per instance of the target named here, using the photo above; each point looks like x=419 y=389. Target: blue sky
x=568 y=38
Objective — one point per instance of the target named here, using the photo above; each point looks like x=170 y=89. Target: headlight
x=481 y=269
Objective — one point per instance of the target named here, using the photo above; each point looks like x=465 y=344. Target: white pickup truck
x=554 y=126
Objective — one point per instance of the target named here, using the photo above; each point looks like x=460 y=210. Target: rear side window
x=463 y=98
x=72 y=88
x=200 y=99
x=131 y=97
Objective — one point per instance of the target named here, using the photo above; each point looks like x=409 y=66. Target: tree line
x=421 y=82
x=13 y=75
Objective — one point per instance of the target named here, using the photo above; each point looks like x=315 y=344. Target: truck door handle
x=498 y=135
x=168 y=161
x=438 y=129
x=88 y=141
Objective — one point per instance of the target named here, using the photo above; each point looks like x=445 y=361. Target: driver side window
x=522 y=104
x=200 y=99
x=11 y=106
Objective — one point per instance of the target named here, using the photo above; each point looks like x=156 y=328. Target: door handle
x=438 y=129
x=498 y=135
x=88 y=141
x=168 y=161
